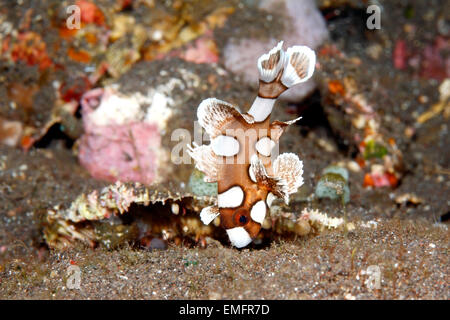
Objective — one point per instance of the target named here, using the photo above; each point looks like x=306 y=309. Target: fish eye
x=241 y=217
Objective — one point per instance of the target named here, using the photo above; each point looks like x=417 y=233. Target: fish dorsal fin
x=275 y=184
x=213 y=114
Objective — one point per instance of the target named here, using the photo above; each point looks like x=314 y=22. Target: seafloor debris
x=333 y=184
x=10 y=132
x=78 y=220
x=134 y=213
x=302 y=23
x=320 y=220
x=30 y=106
x=375 y=90
x=408 y=198
x=443 y=106
x=358 y=122
x=428 y=61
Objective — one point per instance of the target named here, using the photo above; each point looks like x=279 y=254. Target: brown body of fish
x=237 y=174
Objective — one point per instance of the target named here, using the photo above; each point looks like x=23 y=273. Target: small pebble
x=267 y=224
x=215 y=296
x=349 y=296
x=157 y=244
x=354 y=166
x=175 y=208
x=423 y=99
x=350 y=227
x=302 y=227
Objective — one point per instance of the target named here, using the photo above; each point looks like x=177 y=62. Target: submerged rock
x=157 y=244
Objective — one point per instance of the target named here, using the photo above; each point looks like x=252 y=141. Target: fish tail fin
x=270 y=68
x=279 y=71
x=271 y=63
x=299 y=65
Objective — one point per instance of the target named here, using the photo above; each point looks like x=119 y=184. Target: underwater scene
x=224 y=150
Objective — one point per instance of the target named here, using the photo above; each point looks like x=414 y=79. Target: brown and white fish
x=239 y=156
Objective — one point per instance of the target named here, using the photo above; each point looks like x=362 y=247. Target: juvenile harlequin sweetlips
x=239 y=156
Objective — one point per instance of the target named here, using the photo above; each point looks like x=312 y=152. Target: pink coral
x=202 y=51
x=399 y=56
x=429 y=62
x=123 y=149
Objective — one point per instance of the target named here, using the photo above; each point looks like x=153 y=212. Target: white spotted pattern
x=225 y=146
x=231 y=198
x=264 y=146
x=251 y=174
x=239 y=237
x=258 y=211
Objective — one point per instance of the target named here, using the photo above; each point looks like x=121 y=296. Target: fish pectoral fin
x=288 y=167
x=276 y=185
x=208 y=214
